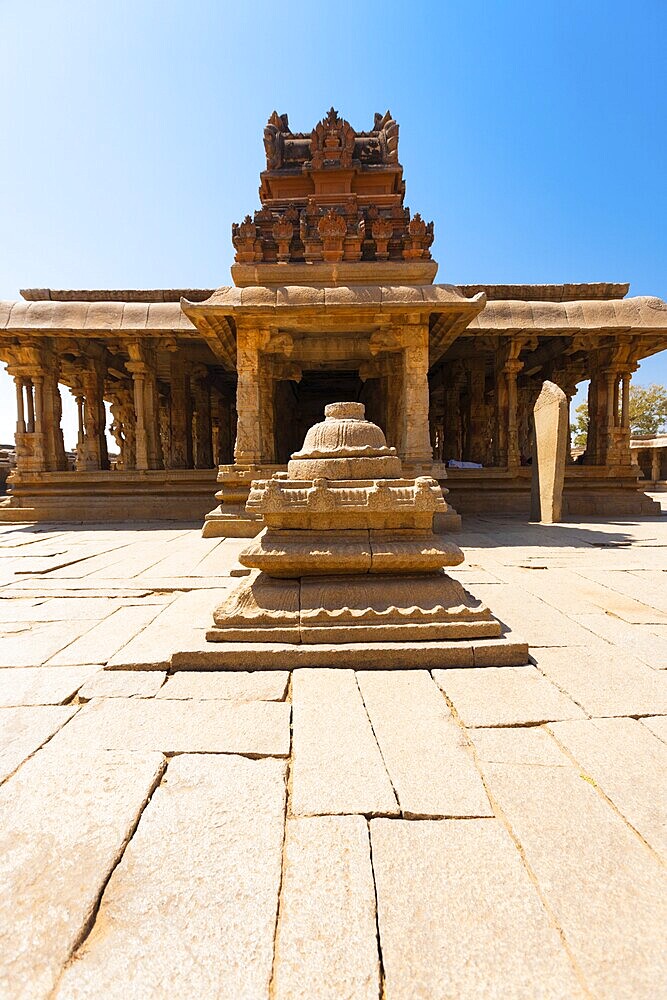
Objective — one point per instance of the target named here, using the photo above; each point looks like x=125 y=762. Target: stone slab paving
x=122 y=684
x=552 y=886
x=658 y=725
x=629 y=765
x=257 y=728
x=256 y=686
x=326 y=942
x=606 y=889
x=42 y=685
x=65 y=819
x=424 y=751
x=337 y=766
x=25 y=730
x=505 y=696
x=459 y=916
x=190 y=911
x=608 y=683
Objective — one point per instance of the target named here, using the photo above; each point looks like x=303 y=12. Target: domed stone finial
x=345 y=446
x=346 y=411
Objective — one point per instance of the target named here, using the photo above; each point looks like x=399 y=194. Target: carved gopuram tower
x=333 y=299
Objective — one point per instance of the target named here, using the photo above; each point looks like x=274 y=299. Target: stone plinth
x=351 y=560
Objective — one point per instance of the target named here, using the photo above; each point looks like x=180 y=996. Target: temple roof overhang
x=642 y=314
x=358 y=308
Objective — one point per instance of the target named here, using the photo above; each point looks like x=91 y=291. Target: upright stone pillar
x=416 y=443
x=203 y=442
x=248 y=447
x=512 y=369
x=94 y=455
x=477 y=438
x=39 y=441
x=146 y=404
x=181 y=416
x=550 y=417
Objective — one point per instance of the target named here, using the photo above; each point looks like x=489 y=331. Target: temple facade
x=333 y=298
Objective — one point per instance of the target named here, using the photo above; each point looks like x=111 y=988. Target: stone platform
x=478 y=832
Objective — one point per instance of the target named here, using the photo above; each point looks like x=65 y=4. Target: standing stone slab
x=337 y=766
x=64 y=821
x=423 y=748
x=259 y=728
x=326 y=944
x=24 y=730
x=606 y=889
x=629 y=764
x=550 y=416
x=459 y=917
x=505 y=696
x=191 y=909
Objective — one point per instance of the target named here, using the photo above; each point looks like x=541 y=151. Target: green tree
x=579 y=428
x=648 y=413
x=648 y=408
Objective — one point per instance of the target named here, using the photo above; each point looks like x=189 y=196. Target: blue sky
x=532 y=133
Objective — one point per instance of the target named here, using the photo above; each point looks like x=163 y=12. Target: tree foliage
x=648 y=413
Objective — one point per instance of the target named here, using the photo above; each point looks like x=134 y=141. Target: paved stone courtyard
x=481 y=832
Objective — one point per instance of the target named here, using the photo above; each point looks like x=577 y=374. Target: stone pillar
x=94 y=455
x=181 y=416
x=416 y=443
x=123 y=426
x=248 y=447
x=203 y=442
x=267 y=414
x=477 y=444
x=512 y=369
x=20 y=412
x=30 y=423
x=146 y=405
x=655 y=464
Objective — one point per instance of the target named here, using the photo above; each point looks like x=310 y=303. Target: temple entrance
x=299 y=405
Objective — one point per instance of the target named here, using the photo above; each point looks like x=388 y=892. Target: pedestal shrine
x=348 y=556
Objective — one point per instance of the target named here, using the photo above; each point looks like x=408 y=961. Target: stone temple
x=333 y=300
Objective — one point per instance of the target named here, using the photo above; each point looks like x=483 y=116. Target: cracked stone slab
x=24 y=730
x=42 y=640
x=459 y=916
x=638 y=640
x=606 y=889
x=122 y=684
x=64 y=821
x=629 y=764
x=658 y=726
x=42 y=685
x=258 y=728
x=609 y=683
x=326 y=941
x=270 y=685
x=505 y=696
x=105 y=639
x=190 y=911
x=424 y=750
x=337 y=766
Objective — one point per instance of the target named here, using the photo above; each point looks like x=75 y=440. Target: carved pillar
x=20 y=413
x=201 y=397
x=415 y=444
x=94 y=454
x=247 y=450
x=266 y=409
x=146 y=404
x=477 y=444
x=123 y=425
x=181 y=416
x=39 y=442
x=512 y=369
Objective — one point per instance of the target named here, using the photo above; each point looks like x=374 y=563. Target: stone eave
x=641 y=315
x=567 y=292
x=51 y=318
x=360 y=307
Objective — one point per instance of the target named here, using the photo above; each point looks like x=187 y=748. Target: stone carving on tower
x=333 y=196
